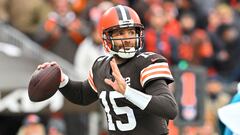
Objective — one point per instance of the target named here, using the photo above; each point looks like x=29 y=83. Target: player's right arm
x=76 y=92
x=79 y=92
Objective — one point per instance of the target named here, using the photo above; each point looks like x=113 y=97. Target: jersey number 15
x=118 y=111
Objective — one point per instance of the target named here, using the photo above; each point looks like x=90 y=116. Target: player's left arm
x=162 y=101
x=158 y=99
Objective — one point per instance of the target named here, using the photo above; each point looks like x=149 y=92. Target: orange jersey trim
x=90 y=80
x=155 y=70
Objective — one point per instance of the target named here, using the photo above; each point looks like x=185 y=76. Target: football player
x=132 y=86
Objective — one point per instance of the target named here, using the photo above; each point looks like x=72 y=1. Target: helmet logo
x=126 y=23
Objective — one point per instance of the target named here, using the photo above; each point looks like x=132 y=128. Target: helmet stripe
x=123 y=13
x=127 y=13
x=119 y=13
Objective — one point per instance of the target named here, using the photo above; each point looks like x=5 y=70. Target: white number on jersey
x=118 y=110
x=146 y=54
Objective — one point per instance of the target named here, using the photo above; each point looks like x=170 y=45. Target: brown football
x=44 y=83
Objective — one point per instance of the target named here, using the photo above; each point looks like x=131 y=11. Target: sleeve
x=91 y=82
x=80 y=93
x=162 y=103
x=157 y=100
x=154 y=71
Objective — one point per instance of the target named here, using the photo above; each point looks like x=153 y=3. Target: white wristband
x=65 y=81
x=138 y=98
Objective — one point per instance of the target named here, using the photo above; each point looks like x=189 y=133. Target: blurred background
x=200 y=39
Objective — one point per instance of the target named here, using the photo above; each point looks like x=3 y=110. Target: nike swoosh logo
x=154 y=59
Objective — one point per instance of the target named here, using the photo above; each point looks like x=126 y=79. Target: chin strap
x=125 y=54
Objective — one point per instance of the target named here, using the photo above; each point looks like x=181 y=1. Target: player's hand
x=48 y=64
x=119 y=83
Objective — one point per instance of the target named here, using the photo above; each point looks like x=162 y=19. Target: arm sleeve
x=163 y=102
x=79 y=93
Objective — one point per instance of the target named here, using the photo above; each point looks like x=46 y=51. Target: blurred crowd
x=32 y=124
x=202 y=33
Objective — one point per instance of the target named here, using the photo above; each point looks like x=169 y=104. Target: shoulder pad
x=151 y=57
x=100 y=60
x=153 y=66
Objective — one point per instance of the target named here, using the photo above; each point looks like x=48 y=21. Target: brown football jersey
x=125 y=118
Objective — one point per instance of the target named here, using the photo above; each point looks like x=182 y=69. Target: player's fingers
x=118 y=78
x=116 y=73
x=40 y=66
x=115 y=67
x=62 y=75
x=53 y=63
x=108 y=81
x=44 y=65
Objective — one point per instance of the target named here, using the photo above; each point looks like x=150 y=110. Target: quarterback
x=132 y=86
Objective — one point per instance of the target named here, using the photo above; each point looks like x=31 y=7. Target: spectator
x=215 y=98
x=32 y=126
x=225 y=63
x=156 y=37
x=56 y=125
x=227 y=15
x=172 y=26
x=195 y=47
x=62 y=31
x=78 y=5
x=26 y=16
x=91 y=47
x=213 y=23
x=4 y=16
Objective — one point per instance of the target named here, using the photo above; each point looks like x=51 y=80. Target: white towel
x=230 y=116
